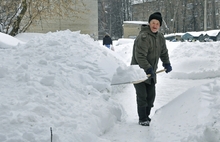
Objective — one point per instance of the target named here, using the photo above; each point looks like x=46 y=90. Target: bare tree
x=11 y=14
x=16 y=16
x=111 y=16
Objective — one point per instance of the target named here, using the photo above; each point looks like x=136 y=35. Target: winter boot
x=144 y=123
x=143 y=119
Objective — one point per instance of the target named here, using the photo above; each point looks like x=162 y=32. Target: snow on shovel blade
x=129 y=82
x=132 y=74
x=128 y=74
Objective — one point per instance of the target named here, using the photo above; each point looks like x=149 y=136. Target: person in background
x=148 y=48
x=107 y=41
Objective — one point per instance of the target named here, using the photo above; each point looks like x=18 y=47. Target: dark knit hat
x=157 y=16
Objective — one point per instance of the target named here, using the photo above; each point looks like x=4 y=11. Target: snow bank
x=195 y=60
x=61 y=81
x=194 y=117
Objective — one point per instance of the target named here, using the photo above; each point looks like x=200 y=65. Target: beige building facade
x=83 y=18
x=132 y=28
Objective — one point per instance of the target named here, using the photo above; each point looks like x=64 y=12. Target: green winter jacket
x=148 y=48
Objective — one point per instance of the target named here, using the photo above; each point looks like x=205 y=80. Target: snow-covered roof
x=174 y=34
x=196 y=34
x=210 y=33
x=135 y=22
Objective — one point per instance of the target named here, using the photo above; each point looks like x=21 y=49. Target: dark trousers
x=145 y=99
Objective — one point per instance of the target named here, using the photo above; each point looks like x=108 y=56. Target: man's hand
x=150 y=72
x=168 y=67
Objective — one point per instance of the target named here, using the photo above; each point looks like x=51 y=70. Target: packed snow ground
x=57 y=86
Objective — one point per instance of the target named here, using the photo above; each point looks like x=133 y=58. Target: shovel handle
x=157 y=72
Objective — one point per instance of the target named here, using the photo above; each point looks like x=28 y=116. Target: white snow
x=128 y=74
x=209 y=33
x=136 y=22
x=7 y=41
x=57 y=85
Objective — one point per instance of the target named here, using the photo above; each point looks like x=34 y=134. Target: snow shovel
x=138 y=81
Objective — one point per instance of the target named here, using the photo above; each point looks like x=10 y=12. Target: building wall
x=86 y=21
x=132 y=28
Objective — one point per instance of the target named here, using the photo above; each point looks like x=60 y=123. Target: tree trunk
x=20 y=14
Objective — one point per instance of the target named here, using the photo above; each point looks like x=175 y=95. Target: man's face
x=154 y=25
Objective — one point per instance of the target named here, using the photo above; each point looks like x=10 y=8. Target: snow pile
x=195 y=110
x=124 y=48
x=123 y=41
x=55 y=81
x=200 y=61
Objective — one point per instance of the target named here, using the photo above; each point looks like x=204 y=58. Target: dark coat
x=148 y=49
x=107 y=40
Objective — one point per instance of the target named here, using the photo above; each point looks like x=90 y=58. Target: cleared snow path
x=130 y=131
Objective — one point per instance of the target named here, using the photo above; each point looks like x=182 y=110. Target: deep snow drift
x=60 y=83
